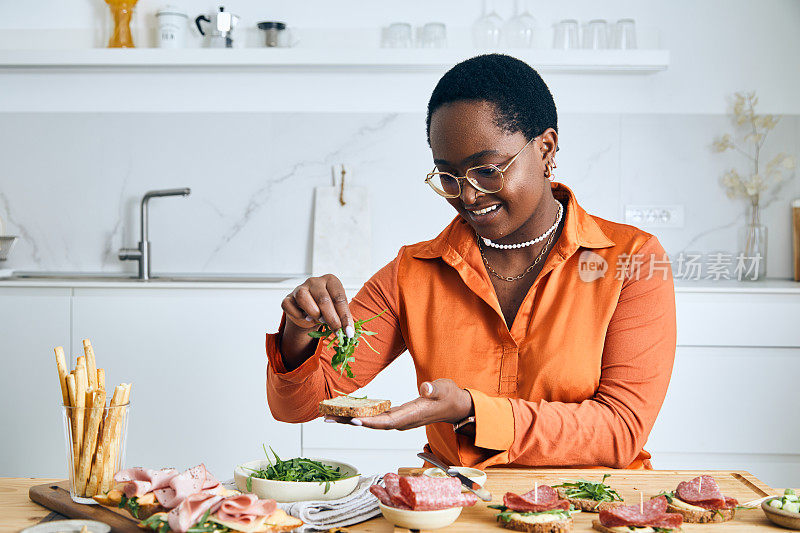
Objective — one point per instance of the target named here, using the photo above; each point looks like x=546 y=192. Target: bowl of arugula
x=297 y=479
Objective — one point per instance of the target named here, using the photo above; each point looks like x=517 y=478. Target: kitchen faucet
x=142 y=253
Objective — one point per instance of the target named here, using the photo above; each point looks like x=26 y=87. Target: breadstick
x=116 y=438
x=80 y=403
x=61 y=364
x=73 y=395
x=81 y=365
x=91 y=364
x=105 y=464
x=90 y=442
x=101 y=378
x=88 y=412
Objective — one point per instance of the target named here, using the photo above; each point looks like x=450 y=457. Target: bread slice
x=353 y=407
x=600 y=527
x=148 y=505
x=589 y=506
x=556 y=526
x=693 y=516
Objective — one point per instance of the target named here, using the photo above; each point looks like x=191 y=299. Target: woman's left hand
x=439 y=401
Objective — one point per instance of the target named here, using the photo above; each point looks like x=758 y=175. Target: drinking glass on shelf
x=595 y=37
x=434 y=35
x=566 y=35
x=519 y=30
x=397 y=35
x=487 y=29
x=625 y=34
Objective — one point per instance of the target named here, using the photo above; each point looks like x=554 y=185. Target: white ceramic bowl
x=297 y=491
x=420 y=519
x=780 y=517
x=478 y=476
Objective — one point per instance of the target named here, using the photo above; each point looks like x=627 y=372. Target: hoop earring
x=548 y=170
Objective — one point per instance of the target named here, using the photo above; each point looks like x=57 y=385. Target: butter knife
x=470 y=485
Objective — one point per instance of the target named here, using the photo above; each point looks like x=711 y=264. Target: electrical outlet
x=654 y=216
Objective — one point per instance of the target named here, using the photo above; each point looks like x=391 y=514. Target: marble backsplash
x=70 y=184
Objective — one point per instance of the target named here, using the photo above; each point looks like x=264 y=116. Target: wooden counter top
x=19 y=512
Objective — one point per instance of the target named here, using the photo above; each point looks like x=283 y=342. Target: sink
x=171 y=278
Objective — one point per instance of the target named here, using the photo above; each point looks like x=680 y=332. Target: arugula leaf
x=131 y=504
x=668 y=495
x=295 y=469
x=506 y=513
x=588 y=490
x=344 y=347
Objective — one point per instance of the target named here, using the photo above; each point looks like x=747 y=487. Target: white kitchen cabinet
x=195 y=355
x=197 y=363
x=32 y=322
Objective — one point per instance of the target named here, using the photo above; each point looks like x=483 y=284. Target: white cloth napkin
x=356 y=507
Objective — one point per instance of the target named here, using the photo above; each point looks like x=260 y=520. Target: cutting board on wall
x=342 y=237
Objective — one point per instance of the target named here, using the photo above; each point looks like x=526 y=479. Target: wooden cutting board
x=55 y=496
x=740 y=485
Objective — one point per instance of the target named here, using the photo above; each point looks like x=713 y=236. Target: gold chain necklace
x=515 y=278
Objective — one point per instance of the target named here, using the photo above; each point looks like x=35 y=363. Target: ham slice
x=191 y=510
x=653 y=513
x=244 y=509
x=182 y=485
x=543 y=498
x=139 y=481
x=703 y=491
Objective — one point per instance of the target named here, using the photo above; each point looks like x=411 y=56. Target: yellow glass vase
x=122 y=11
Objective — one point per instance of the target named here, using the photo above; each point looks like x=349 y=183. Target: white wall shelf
x=320 y=60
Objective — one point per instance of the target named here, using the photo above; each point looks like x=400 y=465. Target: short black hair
x=522 y=101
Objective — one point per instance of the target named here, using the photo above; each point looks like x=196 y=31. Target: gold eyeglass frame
x=473 y=181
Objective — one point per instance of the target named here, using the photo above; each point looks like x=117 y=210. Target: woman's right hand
x=316 y=300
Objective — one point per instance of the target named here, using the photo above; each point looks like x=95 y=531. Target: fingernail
x=350 y=331
x=427 y=388
x=330 y=420
x=356 y=422
x=309 y=319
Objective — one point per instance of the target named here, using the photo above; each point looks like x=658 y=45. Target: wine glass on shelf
x=487 y=29
x=520 y=29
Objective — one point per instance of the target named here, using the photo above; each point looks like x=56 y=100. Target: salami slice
x=430 y=494
x=703 y=491
x=528 y=504
x=392 y=484
x=652 y=513
x=380 y=493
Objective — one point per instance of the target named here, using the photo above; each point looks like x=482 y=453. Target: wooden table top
x=19 y=512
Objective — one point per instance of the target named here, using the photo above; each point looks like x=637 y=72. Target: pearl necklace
x=538 y=239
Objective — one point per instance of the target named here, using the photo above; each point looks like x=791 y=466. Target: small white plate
x=68 y=526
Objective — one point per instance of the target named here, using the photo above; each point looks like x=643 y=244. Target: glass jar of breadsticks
x=95 y=425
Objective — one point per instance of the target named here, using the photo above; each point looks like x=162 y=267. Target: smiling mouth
x=483 y=215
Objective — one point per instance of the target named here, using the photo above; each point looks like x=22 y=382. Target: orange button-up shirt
x=577 y=380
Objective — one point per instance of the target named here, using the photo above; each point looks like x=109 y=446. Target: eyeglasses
x=485 y=178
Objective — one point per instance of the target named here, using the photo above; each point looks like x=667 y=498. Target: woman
x=541 y=335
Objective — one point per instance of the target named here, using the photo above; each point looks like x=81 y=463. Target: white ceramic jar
x=172 y=25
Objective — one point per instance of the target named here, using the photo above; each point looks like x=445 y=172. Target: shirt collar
x=580 y=231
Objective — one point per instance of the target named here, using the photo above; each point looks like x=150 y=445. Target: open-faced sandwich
x=700 y=500
x=647 y=517
x=343 y=354
x=422 y=493
x=538 y=511
x=588 y=496
x=243 y=513
x=144 y=492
